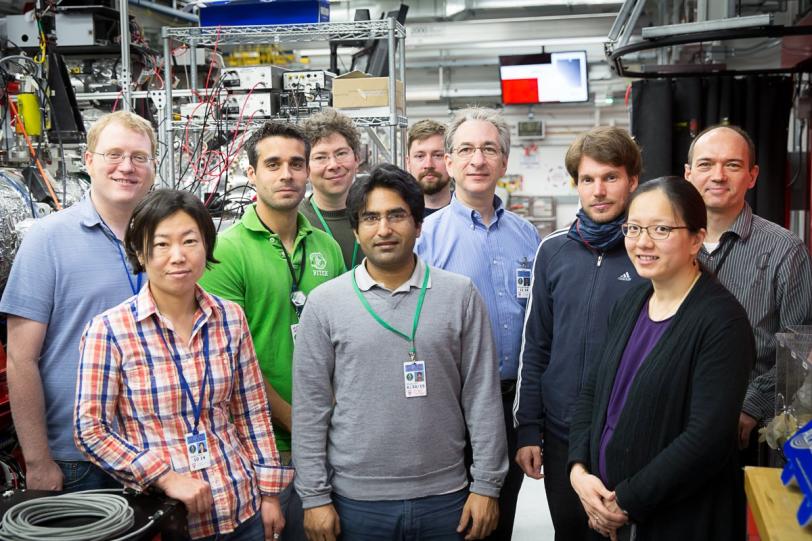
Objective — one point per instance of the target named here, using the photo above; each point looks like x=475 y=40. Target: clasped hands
x=600 y=504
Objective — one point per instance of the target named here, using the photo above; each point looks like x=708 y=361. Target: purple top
x=644 y=337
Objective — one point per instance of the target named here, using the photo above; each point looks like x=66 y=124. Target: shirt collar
x=88 y=215
x=743 y=223
x=366 y=282
x=251 y=221
x=473 y=216
x=145 y=305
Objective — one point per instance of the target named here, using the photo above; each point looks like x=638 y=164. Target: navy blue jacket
x=573 y=290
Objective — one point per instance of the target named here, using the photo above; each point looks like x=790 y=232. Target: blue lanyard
x=134 y=287
x=184 y=385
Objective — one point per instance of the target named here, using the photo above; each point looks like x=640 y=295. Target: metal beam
x=124 y=37
x=166 y=10
x=752 y=21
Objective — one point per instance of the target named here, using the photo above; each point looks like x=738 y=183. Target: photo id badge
x=522 y=283
x=414 y=378
x=197 y=449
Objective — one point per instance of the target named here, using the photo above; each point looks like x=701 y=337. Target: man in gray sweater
x=393 y=362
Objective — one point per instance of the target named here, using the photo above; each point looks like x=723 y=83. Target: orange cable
x=33 y=153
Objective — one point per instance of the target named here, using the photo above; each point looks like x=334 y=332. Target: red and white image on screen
x=526 y=80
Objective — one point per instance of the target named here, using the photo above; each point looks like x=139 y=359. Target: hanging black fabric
x=668 y=113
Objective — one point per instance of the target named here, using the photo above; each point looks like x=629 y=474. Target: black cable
x=209 y=103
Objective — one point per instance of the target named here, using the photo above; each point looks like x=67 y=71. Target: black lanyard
x=297 y=298
x=728 y=247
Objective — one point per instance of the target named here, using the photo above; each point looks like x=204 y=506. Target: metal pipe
x=402 y=76
x=168 y=179
x=166 y=10
x=192 y=82
x=124 y=32
x=393 y=111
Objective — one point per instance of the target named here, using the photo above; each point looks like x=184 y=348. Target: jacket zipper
x=600 y=259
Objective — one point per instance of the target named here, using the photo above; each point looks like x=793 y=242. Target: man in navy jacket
x=579 y=273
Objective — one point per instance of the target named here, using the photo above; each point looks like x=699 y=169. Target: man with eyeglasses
x=579 y=273
x=765 y=266
x=395 y=360
x=334 y=161
x=269 y=262
x=70 y=268
x=425 y=160
x=477 y=237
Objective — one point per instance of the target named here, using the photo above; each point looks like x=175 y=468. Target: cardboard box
x=358 y=94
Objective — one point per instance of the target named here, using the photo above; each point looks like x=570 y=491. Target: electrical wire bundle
x=114 y=516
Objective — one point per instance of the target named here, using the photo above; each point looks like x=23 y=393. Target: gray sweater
x=354 y=430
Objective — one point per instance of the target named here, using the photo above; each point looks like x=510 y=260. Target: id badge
x=197 y=449
x=414 y=378
x=522 y=283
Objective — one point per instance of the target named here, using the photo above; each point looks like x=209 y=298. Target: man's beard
x=433 y=188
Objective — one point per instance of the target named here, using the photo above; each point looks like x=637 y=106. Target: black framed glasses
x=655 y=232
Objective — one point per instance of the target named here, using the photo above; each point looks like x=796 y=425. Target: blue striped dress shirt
x=455 y=239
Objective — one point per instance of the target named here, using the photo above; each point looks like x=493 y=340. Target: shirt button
x=500 y=293
x=505 y=325
x=494 y=262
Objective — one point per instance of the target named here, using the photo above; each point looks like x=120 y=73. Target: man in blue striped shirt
x=477 y=237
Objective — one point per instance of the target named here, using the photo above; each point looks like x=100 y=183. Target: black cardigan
x=673 y=458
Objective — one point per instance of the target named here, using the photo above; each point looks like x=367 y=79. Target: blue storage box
x=259 y=12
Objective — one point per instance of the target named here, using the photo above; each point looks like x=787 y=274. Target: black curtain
x=668 y=113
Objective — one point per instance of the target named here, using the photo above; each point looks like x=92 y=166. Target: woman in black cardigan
x=653 y=452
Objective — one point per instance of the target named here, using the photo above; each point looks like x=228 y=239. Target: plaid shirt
x=131 y=415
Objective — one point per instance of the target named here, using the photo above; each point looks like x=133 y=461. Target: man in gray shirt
x=393 y=362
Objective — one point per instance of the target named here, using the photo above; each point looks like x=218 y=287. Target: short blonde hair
x=129 y=120
x=422 y=130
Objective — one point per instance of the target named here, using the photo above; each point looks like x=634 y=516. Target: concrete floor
x=533 y=522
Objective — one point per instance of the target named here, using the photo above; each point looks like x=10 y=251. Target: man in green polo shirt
x=269 y=262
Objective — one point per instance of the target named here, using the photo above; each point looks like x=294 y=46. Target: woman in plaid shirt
x=170 y=394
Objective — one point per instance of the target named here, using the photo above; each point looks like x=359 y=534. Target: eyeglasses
x=655 y=232
x=340 y=156
x=392 y=217
x=467 y=151
x=115 y=158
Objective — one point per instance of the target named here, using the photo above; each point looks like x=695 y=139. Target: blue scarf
x=601 y=237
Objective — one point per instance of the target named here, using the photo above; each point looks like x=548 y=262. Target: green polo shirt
x=253 y=272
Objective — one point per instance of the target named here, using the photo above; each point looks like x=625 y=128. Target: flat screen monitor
x=544 y=78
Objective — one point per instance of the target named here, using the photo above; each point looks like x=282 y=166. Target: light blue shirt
x=455 y=239
x=67 y=270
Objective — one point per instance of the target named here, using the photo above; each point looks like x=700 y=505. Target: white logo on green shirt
x=318 y=263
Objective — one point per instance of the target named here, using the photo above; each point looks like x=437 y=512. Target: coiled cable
x=23 y=522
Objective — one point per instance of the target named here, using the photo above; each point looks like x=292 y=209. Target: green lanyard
x=329 y=232
x=387 y=326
